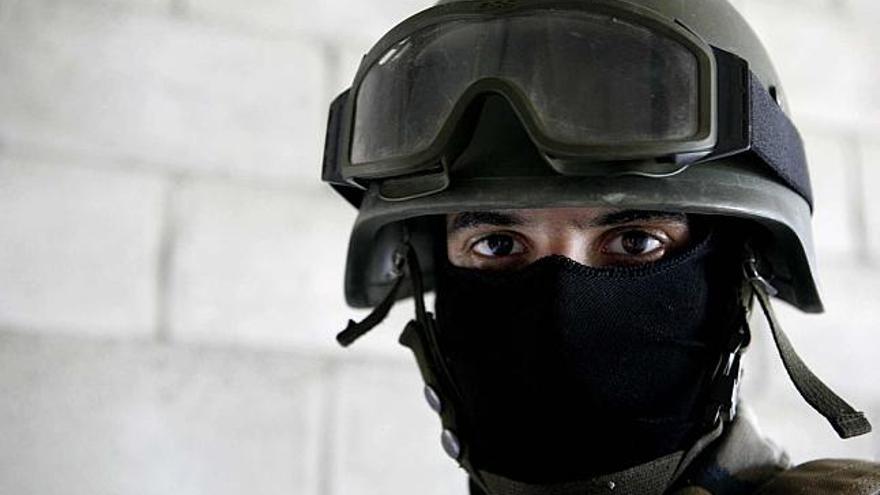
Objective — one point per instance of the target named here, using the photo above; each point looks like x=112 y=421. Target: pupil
x=635 y=242
x=500 y=245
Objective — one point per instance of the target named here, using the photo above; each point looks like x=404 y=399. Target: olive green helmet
x=718 y=140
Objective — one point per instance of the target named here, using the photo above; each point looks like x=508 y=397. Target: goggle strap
x=331 y=171
x=776 y=140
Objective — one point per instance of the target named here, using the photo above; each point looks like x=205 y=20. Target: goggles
x=601 y=88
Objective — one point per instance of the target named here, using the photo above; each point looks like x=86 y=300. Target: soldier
x=600 y=193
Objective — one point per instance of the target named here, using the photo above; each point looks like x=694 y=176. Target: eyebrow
x=626 y=216
x=472 y=219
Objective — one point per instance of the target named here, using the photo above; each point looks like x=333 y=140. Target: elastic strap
x=845 y=420
x=420 y=336
x=418 y=286
x=776 y=140
x=355 y=330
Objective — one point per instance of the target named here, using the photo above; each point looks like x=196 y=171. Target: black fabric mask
x=567 y=372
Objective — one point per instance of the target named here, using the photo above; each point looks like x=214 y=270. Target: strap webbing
x=356 y=330
x=776 y=140
x=845 y=420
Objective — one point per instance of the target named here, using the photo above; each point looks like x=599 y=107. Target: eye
x=633 y=243
x=498 y=245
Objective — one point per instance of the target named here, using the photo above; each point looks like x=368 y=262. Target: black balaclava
x=567 y=372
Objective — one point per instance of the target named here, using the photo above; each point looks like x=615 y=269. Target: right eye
x=498 y=246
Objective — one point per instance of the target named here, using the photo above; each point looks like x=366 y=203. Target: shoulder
x=826 y=476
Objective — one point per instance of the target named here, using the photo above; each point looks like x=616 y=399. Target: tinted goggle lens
x=585 y=79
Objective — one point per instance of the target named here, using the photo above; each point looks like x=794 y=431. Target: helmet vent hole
x=774 y=93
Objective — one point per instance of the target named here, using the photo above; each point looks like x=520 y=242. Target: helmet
x=648 y=105
x=744 y=158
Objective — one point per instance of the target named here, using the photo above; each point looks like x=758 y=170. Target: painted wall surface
x=171 y=266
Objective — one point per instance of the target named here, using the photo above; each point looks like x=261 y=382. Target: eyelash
x=655 y=234
x=651 y=253
x=605 y=241
x=517 y=238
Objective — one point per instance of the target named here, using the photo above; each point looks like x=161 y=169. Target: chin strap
x=441 y=392
x=845 y=420
x=723 y=395
x=420 y=337
x=355 y=330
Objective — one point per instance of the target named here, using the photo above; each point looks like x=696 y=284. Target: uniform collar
x=736 y=464
x=731 y=460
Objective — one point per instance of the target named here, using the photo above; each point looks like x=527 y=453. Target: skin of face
x=592 y=236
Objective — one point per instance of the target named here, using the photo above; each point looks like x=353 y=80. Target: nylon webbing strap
x=845 y=420
x=355 y=330
x=420 y=337
x=776 y=140
x=652 y=478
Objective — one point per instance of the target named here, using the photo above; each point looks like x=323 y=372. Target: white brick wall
x=386 y=439
x=171 y=270
x=825 y=56
x=87 y=417
x=258 y=264
x=336 y=21
x=165 y=92
x=833 y=169
x=78 y=248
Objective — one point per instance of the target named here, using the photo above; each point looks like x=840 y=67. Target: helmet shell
x=736 y=187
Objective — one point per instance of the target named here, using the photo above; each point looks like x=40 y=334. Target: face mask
x=567 y=372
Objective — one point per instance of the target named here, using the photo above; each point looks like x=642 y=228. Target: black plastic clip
x=724 y=391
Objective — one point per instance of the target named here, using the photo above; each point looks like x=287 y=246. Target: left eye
x=498 y=245
x=633 y=243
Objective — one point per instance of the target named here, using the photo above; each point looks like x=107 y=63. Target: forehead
x=582 y=217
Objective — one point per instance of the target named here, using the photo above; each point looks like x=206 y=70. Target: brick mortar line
x=51 y=156
x=403 y=363
x=165 y=260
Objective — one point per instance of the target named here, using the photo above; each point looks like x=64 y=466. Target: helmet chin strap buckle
x=724 y=391
x=732 y=376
